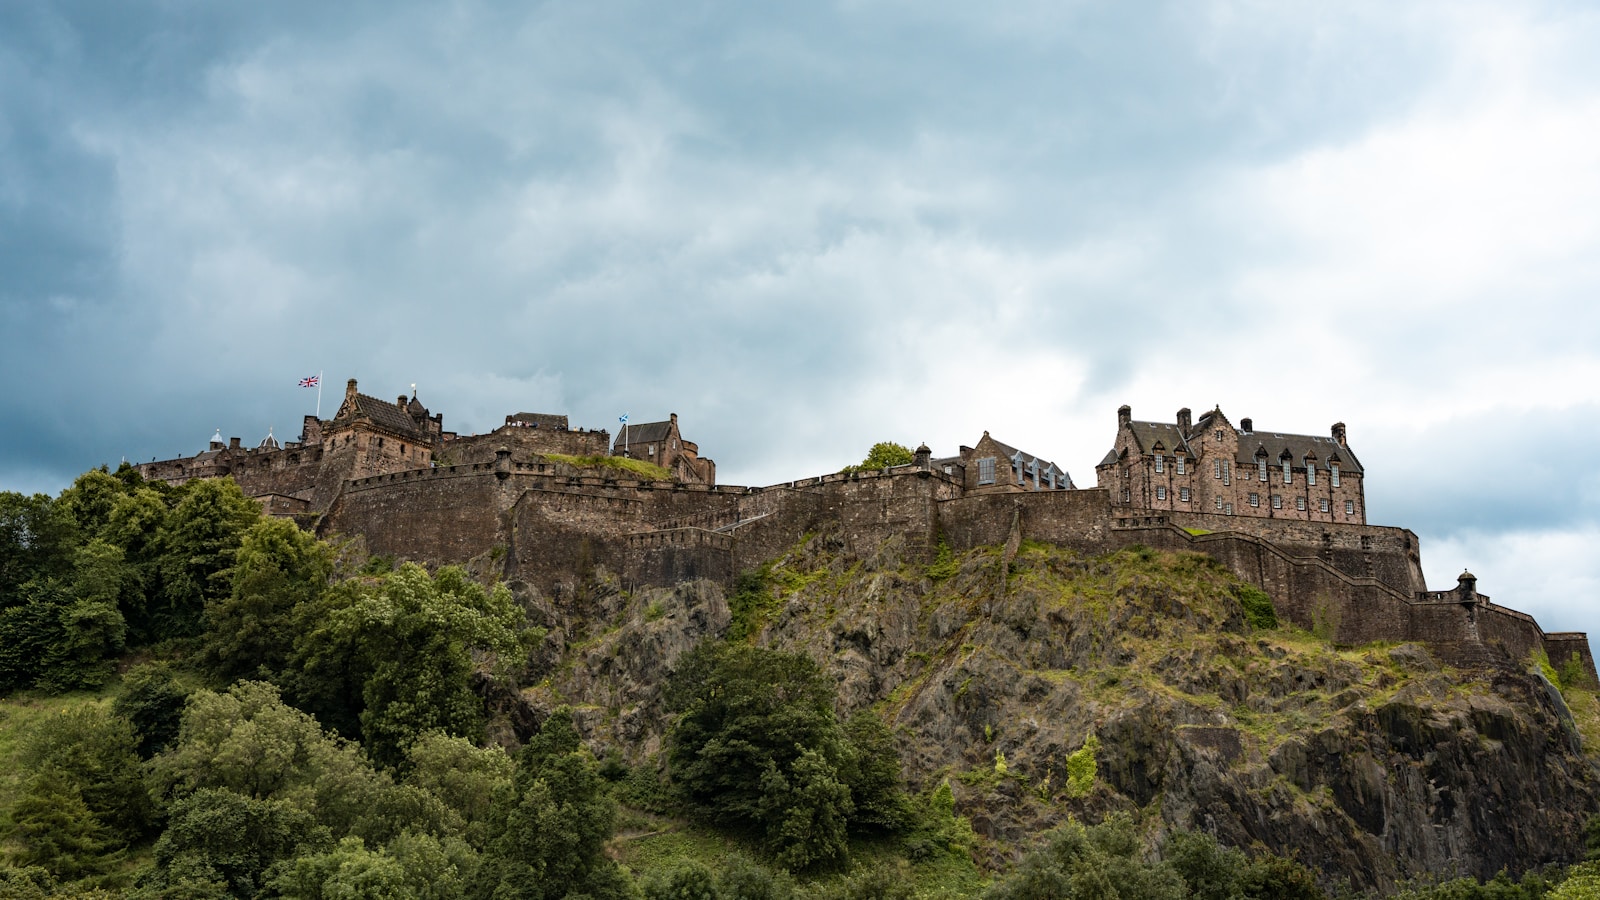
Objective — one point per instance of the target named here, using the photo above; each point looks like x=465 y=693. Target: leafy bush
x=1081 y=768
x=1257 y=606
x=883 y=455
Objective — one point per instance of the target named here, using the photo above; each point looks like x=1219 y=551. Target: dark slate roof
x=1147 y=434
x=1298 y=445
x=1011 y=452
x=645 y=433
x=386 y=415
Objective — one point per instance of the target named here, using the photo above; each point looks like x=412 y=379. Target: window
x=1323 y=504
x=1300 y=503
x=1261 y=466
x=1160 y=465
x=1311 y=471
x=1161 y=492
x=1126 y=498
x=1333 y=473
x=1255 y=499
x=1288 y=472
x=1227 y=472
x=1216 y=468
x=1349 y=507
x=1183 y=494
x=986 y=470
x=1218 y=501
x=1219 y=434
x=1277 y=501
x=1179 y=460
x=1227 y=509
x=652 y=449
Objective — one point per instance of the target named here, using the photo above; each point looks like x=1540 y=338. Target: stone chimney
x=401 y=402
x=233 y=443
x=1124 y=417
x=1185 y=423
x=1338 y=434
x=349 y=389
x=1246 y=425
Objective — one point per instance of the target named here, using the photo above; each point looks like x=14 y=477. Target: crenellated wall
x=553 y=526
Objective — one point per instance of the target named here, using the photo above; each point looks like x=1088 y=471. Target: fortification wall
x=524 y=443
x=443 y=515
x=1391 y=555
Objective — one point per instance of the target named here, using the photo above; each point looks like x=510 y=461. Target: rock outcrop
x=1371 y=763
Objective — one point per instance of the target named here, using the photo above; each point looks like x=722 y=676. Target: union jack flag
x=310 y=382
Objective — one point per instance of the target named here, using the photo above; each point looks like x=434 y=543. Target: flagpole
x=319 y=395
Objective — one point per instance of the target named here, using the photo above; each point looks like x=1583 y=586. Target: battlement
x=390 y=473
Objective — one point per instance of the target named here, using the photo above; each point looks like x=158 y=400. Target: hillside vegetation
x=199 y=702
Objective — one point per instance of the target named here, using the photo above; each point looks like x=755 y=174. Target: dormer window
x=1288 y=470
x=1311 y=471
x=1160 y=463
x=1333 y=473
x=1179 y=460
x=1261 y=467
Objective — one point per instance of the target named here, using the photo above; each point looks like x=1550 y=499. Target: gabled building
x=995 y=466
x=1209 y=465
x=661 y=443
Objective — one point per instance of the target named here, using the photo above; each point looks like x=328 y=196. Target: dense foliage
x=883 y=455
x=268 y=715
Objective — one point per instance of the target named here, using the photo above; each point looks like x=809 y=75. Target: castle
x=1285 y=512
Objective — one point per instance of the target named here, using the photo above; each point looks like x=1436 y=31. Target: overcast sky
x=810 y=227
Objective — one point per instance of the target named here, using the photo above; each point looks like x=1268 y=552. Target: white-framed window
x=651 y=450
x=1227 y=472
x=1160 y=464
x=1333 y=473
x=986 y=470
x=1311 y=472
x=1183 y=494
x=1161 y=492
x=1255 y=499
x=1179 y=459
x=1261 y=468
x=1217 y=501
x=1349 y=507
x=1277 y=501
x=1216 y=468
x=1288 y=471
x=1300 y=503
x=1219 y=435
x=1227 y=509
x=1126 y=496
x=1323 y=504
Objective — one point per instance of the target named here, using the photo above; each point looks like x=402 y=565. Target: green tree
x=556 y=822
x=196 y=546
x=56 y=829
x=688 y=880
x=249 y=632
x=248 y=742
x=756 y=744
x=37 y=537
x=96 y=752
x=464 y=777
x=152 y=701
x=410 y=645
x=220 y=835
x=883 y=455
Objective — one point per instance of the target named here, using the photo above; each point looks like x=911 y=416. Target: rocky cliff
x=1373 y=763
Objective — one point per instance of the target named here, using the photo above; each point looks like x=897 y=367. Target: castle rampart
x=388 y=472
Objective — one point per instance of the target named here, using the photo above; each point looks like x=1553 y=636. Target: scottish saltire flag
x=310 y=382
x=623 y=418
